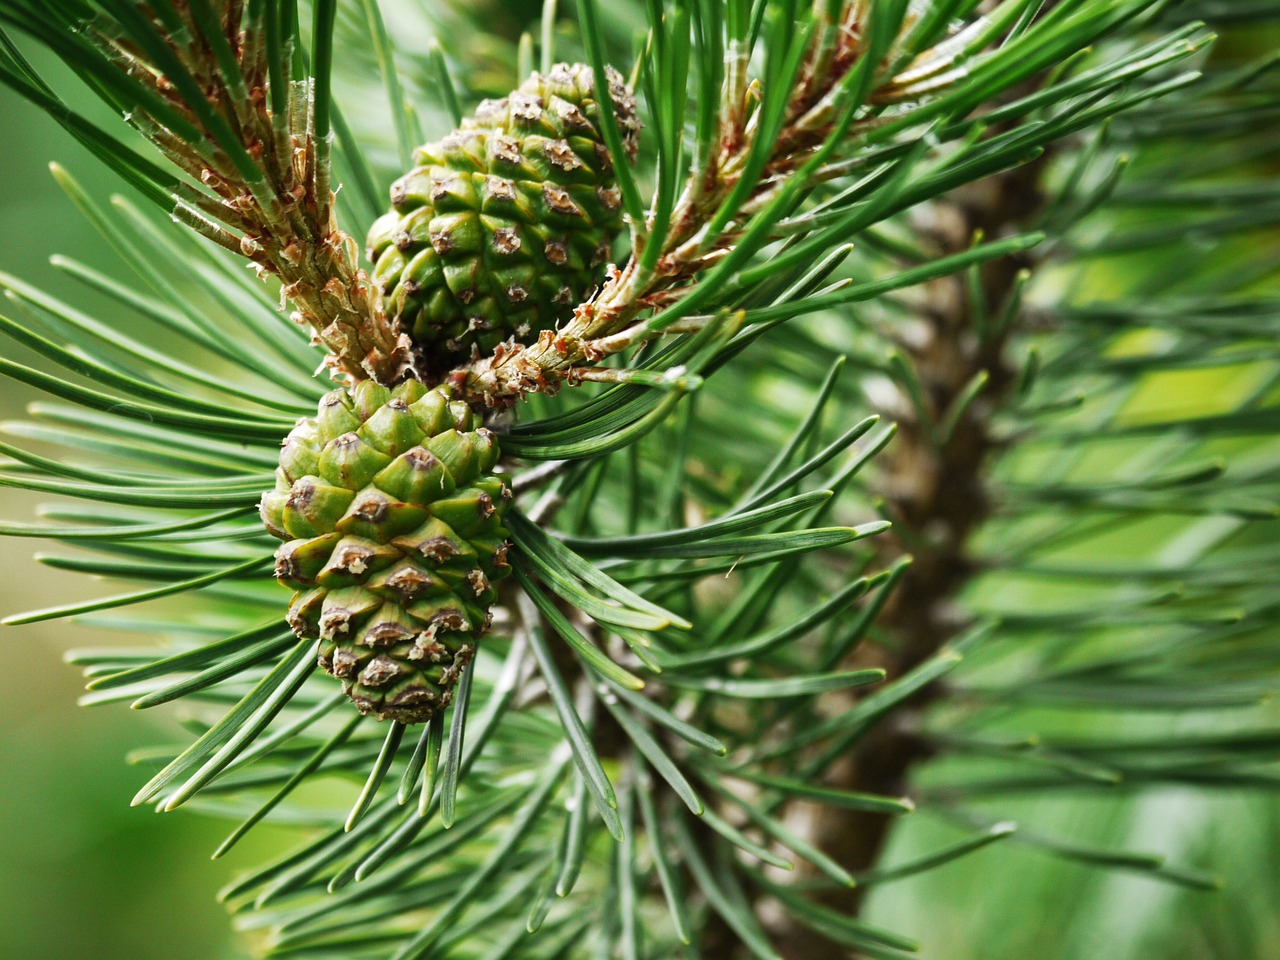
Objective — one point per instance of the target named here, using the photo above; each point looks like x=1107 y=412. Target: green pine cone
x=393 y=526
x=505 y=224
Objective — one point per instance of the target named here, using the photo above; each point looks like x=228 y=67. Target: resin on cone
x=505 y=224
x=392 y=519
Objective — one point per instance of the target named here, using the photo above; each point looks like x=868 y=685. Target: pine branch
x=756 y=154
x=707 y=618
x=216 y=89
x=852 y=78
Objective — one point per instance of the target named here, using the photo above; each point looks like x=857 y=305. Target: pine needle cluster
x=837 y=499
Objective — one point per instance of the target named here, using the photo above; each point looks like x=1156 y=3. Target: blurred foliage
x=1009 y=903
x=82 y=874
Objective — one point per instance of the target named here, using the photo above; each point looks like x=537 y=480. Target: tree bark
x=938 y=498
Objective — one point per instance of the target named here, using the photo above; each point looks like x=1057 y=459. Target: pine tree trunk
x=939 y=498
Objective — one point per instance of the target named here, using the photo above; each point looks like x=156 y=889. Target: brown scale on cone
x=392 y=519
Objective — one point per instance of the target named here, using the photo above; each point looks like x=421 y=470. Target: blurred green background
x=85 y=877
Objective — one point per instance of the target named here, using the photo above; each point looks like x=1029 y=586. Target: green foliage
x=985 y=234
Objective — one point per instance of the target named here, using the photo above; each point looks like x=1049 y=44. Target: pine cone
x=506 y=223
x=393 y=523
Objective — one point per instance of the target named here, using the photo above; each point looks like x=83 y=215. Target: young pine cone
x=505 y=224
x=394 y=538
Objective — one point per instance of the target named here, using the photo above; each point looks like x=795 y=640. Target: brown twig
x=609 y=322
x=282 y=216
